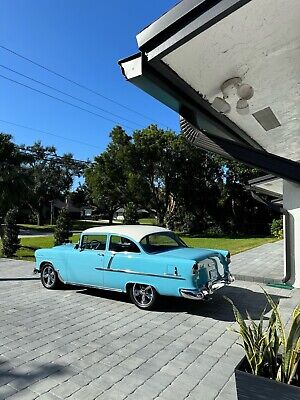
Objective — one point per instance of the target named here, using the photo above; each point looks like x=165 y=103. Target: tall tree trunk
x=1 y=228
x=111 y=217
x=39 y=214
x=160 y=218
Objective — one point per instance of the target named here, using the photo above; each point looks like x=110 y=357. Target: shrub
x=131 y=216
x=277 y=228
x=63 y=227
x=270 y=350
x=181 y=220
x=10 y=240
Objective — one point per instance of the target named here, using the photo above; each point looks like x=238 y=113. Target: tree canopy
x=154 y=169
x=161 y=172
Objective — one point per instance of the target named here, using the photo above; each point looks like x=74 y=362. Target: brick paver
x=262 y=264
x=88 y=344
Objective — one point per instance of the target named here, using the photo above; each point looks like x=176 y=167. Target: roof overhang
x=268 y=184
x=172 y=52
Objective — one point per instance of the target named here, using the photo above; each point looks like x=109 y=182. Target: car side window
x=94 y=242
x=122 y=244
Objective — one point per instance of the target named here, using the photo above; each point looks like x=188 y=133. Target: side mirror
x=76 y=246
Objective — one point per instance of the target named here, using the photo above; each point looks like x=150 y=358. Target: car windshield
x=162 y=241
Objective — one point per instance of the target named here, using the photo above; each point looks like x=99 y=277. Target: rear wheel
x=143 y=296
x=49 y=277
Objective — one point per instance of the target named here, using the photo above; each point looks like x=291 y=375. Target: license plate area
x=214 y=268
x=213 y=274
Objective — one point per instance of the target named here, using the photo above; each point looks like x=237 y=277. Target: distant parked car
x=145 y=261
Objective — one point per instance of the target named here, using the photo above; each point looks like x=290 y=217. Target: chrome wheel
x=49 y=277
x=143 y=296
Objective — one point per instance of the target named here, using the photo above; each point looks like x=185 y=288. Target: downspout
x=286 y=214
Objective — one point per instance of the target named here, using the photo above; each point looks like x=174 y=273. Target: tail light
x=228 y=258
x=195 y=268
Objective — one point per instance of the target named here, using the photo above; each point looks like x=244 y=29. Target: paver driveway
x=87 y=344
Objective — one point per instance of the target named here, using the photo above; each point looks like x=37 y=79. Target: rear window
x=163 y=241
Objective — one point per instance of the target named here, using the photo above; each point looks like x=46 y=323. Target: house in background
x=119 y=214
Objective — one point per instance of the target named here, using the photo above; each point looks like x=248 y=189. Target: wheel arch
x=44 y=262
x=129 y=284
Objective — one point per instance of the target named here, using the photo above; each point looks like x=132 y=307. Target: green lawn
x=38 y=228
x=77 y=225
x=30 y=244
x=147 y=221
x=233 y=245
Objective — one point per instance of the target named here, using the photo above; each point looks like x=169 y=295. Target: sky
x=82 y=40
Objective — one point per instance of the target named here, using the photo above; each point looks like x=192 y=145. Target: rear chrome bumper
x=207 y=290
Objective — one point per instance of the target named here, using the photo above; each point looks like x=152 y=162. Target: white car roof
x=136 y=232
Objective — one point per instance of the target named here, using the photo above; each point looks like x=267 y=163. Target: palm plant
x=271 y=352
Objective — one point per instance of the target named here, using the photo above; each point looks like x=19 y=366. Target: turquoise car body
x=189 y=272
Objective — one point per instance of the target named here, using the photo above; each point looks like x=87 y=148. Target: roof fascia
x=161 y=82
x=182 y=23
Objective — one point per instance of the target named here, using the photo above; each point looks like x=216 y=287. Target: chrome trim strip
x=95 y=287
x=127 y=271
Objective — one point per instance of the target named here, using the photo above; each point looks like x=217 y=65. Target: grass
x=233 y=245
x=38 y=228
x=77 y=225
x=147 y=221
x=30 y=244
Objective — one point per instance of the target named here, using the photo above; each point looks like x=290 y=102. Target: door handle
x=100 y=254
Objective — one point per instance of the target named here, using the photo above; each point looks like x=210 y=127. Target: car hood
x=189 y=253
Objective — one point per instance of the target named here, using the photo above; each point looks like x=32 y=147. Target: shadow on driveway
x=19 y=380
x=19 y=279
x=217 y=308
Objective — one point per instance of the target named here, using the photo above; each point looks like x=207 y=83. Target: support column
x=291 y=203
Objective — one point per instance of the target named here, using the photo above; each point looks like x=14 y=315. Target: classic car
x=142 y=260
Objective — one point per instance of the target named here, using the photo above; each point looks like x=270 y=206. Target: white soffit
x=260 y=42
x=273 y=186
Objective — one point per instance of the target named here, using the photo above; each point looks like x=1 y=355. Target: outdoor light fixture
x=229 y=87
x=242 y=107
x=221 y=105
x=245 y=91
x=232 y=89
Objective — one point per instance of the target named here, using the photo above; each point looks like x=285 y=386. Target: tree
x=195 y=187
x=152 y=157
x=106 y=178
x=243 y=214
x=14 y=180
x=131 y=216
x=174 y=175
x=10 y=240
x=52 y=176
x=81 y=196
x=63 y=227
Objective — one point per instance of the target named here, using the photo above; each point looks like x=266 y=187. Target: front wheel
x=49 y=277
x=143 y=296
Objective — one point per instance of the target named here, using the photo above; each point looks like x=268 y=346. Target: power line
x=78 y=84
x=49 y=133
x=69 y=95
x=50 y=157
x=63 y=101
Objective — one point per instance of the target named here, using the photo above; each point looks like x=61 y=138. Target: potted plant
x=271 y=367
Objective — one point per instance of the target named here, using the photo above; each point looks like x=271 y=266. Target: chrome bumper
x=205 y=291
